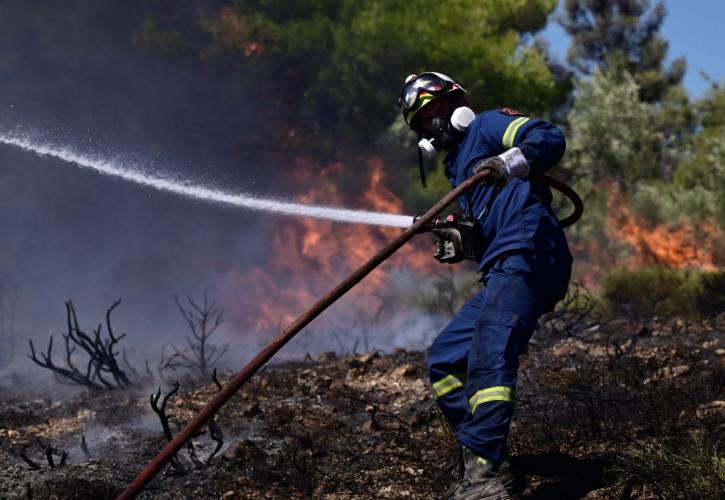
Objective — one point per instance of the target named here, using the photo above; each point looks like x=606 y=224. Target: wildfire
x=308 y=257
x=677 y=246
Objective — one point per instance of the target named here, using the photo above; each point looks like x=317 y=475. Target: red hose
x=286 y=335
x=566 y=191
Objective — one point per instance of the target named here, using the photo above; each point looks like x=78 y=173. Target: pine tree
x=622 y=34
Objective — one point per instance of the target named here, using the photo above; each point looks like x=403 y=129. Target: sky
x=694 y=29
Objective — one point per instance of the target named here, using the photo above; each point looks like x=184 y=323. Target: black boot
x=482 y=480
x=454 y=467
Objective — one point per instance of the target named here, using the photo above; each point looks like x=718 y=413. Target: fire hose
x=221 y=397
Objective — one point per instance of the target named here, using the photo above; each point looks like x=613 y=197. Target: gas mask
x=444 y=135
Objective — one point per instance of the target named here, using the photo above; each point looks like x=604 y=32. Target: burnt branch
x=192 y=455
x=574 y=316
x=215 y=432
x=216 y=380
x=160 y=410
x=49 y=456
x=199 y=355
x=84 y=446
x=101 y=370
x=216 y=435
x=33 y=465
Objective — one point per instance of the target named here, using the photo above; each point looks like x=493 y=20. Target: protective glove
x=509 y=164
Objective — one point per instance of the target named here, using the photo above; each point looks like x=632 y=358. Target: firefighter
x=525 y=265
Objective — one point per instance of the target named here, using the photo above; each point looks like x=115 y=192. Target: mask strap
x=421 y=166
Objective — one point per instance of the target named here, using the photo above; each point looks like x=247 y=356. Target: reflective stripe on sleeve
x=510 y=134
x=498 y=393
x=448 y=384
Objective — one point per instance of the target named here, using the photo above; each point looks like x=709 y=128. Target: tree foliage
x=622 y=34
x=612 y=132
x=340 y=65
x=700 y=178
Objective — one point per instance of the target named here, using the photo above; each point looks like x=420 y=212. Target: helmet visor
x=428 y=82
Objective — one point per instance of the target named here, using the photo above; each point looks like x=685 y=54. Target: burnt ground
x=366 y=426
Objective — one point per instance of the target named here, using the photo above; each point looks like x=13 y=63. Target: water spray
x=221 y=397
x=205 y=193
x=413 y=226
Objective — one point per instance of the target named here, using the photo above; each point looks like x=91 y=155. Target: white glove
x=509 y=164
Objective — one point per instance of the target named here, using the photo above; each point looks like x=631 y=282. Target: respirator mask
x=444 y=134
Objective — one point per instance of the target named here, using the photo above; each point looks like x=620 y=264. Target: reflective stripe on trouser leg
x=448 y=362
x=448 y=384
x=509 y=312
x=497 y=393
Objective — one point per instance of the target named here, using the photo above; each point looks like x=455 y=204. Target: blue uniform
x=526 y=267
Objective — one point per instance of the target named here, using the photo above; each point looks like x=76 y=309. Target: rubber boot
x=482 y=480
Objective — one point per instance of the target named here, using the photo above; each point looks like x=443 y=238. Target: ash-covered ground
x=593 y=409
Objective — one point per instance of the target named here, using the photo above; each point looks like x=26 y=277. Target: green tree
x=612 y=135
x=622 y=34
x=699 y=187
x=338 y=66
x=611 y=141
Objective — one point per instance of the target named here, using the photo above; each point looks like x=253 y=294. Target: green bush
x=710 y=300
x=656 y=291
x=691 y=470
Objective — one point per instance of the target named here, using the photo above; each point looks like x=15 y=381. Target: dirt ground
x=366 y=426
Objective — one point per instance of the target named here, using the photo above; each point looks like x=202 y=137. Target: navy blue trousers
x=473 y=362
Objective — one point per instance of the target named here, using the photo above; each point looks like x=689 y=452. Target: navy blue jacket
x=520 y=216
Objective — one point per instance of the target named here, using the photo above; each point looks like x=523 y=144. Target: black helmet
x=419 y=90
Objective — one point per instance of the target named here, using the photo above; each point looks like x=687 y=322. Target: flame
x=308 y=257
x=678 y=246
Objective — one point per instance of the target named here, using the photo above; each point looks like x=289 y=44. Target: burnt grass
x=366 y=426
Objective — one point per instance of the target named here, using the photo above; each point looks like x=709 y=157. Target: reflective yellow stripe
x=510 y=134
x=449 y=383
x=498 y=393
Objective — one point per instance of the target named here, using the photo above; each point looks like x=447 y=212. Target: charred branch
x=215 y=432
x=84 y=446
x=25 y=458
x=199 y=355
x=216 y=380
x=574 y=315
x=101 y=370
x=49 y=456
x=49 y=451
x=192 y=455
x=160 y=410
x=216 y=435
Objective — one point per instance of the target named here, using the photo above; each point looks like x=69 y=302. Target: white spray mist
x=206 y=193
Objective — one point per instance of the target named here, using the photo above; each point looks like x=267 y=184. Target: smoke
x=72 y=76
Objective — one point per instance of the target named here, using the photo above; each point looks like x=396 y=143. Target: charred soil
x=366 y=426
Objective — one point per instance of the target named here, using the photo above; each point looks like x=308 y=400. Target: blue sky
x=695 y=29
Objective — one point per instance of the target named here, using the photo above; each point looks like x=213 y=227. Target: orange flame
x=677 y=246
x=308 y=257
